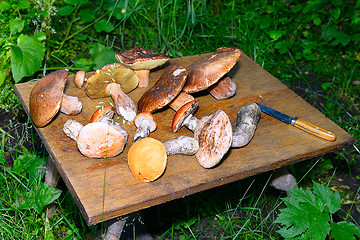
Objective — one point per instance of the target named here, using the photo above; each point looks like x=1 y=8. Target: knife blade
x=299 y=123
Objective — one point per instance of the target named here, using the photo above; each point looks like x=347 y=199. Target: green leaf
x=328 y=32
x=26 y=57
x=336 y=13
x=276 y=34
x=102 y=55
x=327 y=197
x=342 y=38
x=265 y=21
x=87 y=14
x=66 y=10
x=23 y=4
x=344 y=230
x=296 y=8
x=283 y=46
x=4 y=5
x=38 y=197
x=76 y=2
x=103 y=25
x=16 y=25
x=3 y=73
x=41 y=36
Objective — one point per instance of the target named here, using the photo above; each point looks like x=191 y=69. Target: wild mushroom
x=180 y=101
x=210 y=69
x=97 y=139
x=79 y=78
x=114 y=80
x=147 y=158
x=214 y=133
x=223 y=89
x=142 y=61
x=103 y=114
x=246 y=122
x=47 y=98
x=166 y=88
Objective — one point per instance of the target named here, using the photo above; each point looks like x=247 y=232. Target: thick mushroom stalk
x=246 y=122
x=142 y=61
x=70 y=105
x=124 y=105
x=183 y=145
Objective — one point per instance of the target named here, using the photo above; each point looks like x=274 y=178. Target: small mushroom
x=145 y=123
x=114 y=80
x=103 y=114
x=142 y=61
x=47 y=98
x=97 y=139
x=79 y=79
x=246 y=122
x=210 y=69
x=147 y=158
x=223 y=89
x=162 y=93
x=213 y=132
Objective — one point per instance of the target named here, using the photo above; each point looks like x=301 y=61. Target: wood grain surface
x=275 y=144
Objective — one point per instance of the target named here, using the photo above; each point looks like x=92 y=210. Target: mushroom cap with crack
x=46 y=97
x=147 y=159
x=208 y=70
x=95 y=86
x=100 y=140
x=183 y=113
x=142 y=59
x=214 y=133
x=164 y=90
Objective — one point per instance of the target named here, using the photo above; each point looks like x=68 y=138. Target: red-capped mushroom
x=142 y=61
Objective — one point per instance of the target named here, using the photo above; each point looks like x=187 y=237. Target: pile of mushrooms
x=147 y=157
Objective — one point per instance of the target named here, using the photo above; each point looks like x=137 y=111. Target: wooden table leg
x=51 y=178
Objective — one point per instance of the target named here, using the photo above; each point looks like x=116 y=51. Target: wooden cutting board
x=105 y=188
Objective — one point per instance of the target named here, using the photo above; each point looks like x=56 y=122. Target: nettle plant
x=309 y=215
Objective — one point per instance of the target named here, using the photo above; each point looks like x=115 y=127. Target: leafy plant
x=309 y=215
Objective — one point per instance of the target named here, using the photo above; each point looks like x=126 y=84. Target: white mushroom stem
x=246 y=123
x=142 y=131
x=72 y=129
x=70 y=105
x=143 y=76
x=191 y=122
x=124 y=106
x=181 y=145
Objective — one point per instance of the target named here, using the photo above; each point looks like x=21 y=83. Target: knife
x=301 y=124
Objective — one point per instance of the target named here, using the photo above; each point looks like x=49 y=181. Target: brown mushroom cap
x=46 y=97
x=214 y=133
x=183 y=113
x=96 y=85
x=164 y=90
x=147 y=159
x=142 y=59
x=100 y=140
x=208 y=70
x=223 y=89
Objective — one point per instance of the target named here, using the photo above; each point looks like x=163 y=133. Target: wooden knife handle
x=315 y=130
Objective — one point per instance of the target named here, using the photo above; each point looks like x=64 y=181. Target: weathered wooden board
x=275 y=144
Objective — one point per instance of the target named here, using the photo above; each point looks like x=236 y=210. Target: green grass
x=313 y=47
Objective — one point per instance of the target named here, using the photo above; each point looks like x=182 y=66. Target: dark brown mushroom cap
x=164 y=90
x=46 y=97
x=207 y=71
x=183 y=113
x=95 y=86
x=214 y=133
x=142 y=59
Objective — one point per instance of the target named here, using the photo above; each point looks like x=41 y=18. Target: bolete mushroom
x=246 y=123
x=210 y=69
x=79 y=78
x=47 y=98
x=114 y=80
x=142 y=61
x=166 y=88
x=147 y=158
x=223 y=89
x=214 y=133
x=103 y=114
x=97 y=139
